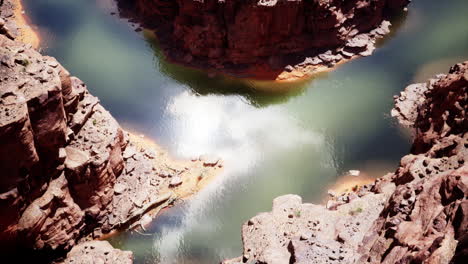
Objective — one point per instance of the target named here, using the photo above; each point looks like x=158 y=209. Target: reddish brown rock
x=54 y=220
x=94 y=161
x=416 y=215
x=97 y=252
x=51 y=126
x=19 y=153
x=32 y=111
x=424 y=219
x=435 y=109
x=69 y=173
x=46 y=132
x=34 y=128
x=260 y=38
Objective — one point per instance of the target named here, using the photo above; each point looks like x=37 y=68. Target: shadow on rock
x=259 y=93
x=278 y=40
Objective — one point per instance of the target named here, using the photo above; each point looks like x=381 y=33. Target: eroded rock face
x=94 y=162
x=436 y=109
x=7 y=19
x=416 y=215
x=54 y=220
x=264 y=38
x=68 y=172
x=425 y=219
x=46 y=118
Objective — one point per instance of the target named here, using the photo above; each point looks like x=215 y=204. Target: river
x=302 y=141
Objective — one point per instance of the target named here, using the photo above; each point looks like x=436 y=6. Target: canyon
x=71 y=175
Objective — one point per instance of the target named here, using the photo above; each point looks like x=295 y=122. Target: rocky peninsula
x=279 y=40
x=418 y=214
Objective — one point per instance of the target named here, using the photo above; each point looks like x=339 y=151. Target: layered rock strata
x=266 y=39
x=69 y=172
x=416 y=215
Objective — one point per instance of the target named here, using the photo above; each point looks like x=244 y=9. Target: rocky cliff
x=416 y=215
x=69 y=172
x=267 y=39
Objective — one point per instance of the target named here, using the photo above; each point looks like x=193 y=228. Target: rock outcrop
x=267 y=39
x=8 y=21
x=69 y=172
x=97 y=252
x=35 y=91
x=416 y=215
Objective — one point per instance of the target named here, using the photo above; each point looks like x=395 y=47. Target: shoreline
x=190 y=186
x=27 y=34
x=380 y=222
x=131 y=178
x=191 y=183
x=261 y=75
x=120 y=180
x=270 y=62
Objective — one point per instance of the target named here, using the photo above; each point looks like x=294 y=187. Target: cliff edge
x=69 y=172
x=419 y=214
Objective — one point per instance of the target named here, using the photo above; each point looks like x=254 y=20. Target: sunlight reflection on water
x=272 y=144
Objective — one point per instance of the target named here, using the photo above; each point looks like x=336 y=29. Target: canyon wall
x=273 y=39
x=416 y=215
x=68 y=172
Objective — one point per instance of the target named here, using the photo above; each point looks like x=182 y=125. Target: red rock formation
x=426 y=217
x=49 y=112
x=53 y=220
x=416 y=215
x=68 y=172
x=259 y=38
x=97 y=252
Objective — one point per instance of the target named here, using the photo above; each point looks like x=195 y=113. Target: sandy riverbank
x=26 y=31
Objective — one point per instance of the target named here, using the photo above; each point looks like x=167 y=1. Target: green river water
x=300 y=142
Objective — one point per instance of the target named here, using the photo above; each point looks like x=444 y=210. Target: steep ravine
x=418 y=214
x=265 y=39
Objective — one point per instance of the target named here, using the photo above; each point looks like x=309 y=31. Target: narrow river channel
x=301 y=141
